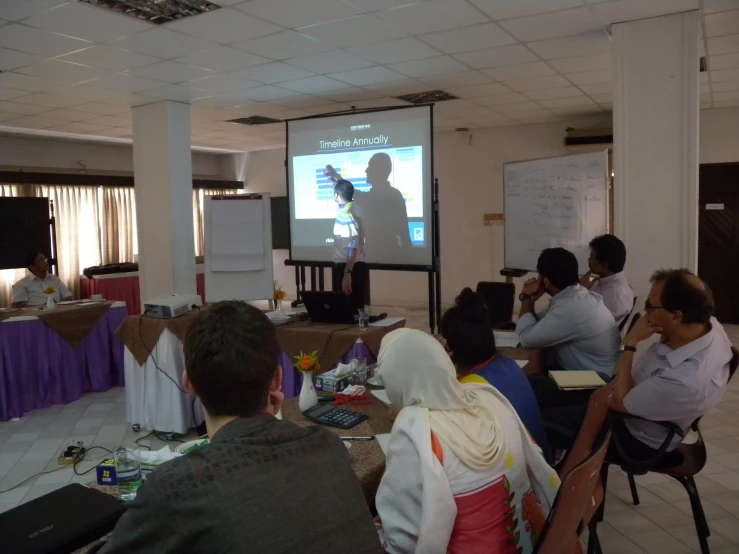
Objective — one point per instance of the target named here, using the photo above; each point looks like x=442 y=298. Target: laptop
x=59 y=522
x=329 y=307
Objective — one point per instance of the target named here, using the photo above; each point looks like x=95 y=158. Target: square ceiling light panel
x=157 y=11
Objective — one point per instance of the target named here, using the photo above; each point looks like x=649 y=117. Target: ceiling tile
x=9 y=116
x=567 y=102
x=79 y=127
x=394 y=51
x=27 y=82
x=630 y=10
x=124 y=132
x=542 y=116
x=8 y=93
x=20 y=109
x=379 y=103
x=41 y=99
x=477 y=91
x=126 y=83
x=409 y=86
x=37 y=41
x=219 y=101
x=430 y=17
x=275 y=72
x=111 y=120
x=549 y=94
x=592 y=43
x=603 y=99
x=724 y=23
x=112 y=59
x=537 y=83
x=13 y=59
x=224 y=26
x=368 y=76
x=88 y=22
x=500 y=99
x=299 y=13
x=177 y=93
x=69 y=115
x=329 y=62
x=262 y=94
x=314 y=85
x=495 y=57
x=476 y=37
x=520 y=71
x=164 y=43
x=710 y=6
x=171 y=72
x=717 y=45
x=600 y=88
x=14 y=10
x=591 y=77
x=520 y=8
x=281 y=46
x=63 y=72
x=573 y=113
x=225 y=82
x=552 y=25
x=87 y=91
x=354 y=31
x=102 y=108
x=429 y=67
x=725 y=75
x=35 y=122
x=725 y=85
x=724 y=61
x=517 y=108
x=577 y=64
x=223 y=59
x=462 y=79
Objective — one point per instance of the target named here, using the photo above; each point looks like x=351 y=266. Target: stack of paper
x=506 y=339
x=577 y=380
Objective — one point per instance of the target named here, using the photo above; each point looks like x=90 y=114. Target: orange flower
x=317 y=367
x=49 y=290
x=279 y=294
x=305 y=363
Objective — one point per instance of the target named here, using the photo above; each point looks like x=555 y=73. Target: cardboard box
x=106 y=472
x=329 y=383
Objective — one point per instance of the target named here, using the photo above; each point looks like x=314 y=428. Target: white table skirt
x=152 y=400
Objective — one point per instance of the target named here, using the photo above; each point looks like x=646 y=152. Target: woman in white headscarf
x=463 y=475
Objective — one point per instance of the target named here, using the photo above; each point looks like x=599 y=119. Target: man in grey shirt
x=678 y=379
x=577 y=326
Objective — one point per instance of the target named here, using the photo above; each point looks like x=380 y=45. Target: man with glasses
x=679 y=378
x=36 y=288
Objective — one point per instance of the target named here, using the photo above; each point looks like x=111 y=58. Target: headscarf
x=417 y=371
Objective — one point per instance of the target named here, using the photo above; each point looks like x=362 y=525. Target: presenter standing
x=349 y=269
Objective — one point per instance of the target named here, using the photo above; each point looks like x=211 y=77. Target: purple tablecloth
x=292 y=381
x=38 y=368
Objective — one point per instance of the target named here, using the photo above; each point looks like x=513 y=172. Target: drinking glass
x=360 y=371
x=128 y=471
x=363 y=319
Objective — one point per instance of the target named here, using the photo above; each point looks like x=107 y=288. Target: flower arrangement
x=307 y=362
x=49 y=290
x=279 y=294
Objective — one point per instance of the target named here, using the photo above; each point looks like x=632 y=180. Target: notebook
x=577 y=380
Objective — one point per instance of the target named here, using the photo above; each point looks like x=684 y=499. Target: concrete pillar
x=163 y=180
x=655 y=117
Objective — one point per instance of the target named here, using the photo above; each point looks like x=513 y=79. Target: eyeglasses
x=649 y=308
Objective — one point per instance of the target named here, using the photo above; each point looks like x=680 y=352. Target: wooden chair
x=694 y=459
x=573 y=500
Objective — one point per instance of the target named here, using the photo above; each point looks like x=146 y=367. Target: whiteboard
x=238 y=285
x=554 y=202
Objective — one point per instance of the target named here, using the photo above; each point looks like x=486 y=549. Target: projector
x=166 y=307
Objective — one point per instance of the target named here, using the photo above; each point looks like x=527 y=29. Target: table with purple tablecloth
x=39 y=367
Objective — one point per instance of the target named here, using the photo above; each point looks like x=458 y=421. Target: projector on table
x=166 y=307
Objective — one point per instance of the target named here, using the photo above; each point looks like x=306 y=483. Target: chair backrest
x=633 y=321
x=591 y=429
x=498 y=298
x=574 y=496
x=628 y=318
x=734 y=362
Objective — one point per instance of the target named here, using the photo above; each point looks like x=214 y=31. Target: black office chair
x=630 y=317
x=498 y=298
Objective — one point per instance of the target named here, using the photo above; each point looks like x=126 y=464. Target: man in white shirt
x=607 y=260
x=35 y=289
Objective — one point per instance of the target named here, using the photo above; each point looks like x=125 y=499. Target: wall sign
x=714 y=206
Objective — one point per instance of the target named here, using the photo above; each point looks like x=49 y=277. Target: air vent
x=157 y=11
x=255 y=120
x=702 y=64
x=427 y=97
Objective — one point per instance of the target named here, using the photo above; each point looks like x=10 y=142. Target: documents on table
x=387 y=322
x=577 y=380
x=382 y=396
x=521 y=363
x=506 y=339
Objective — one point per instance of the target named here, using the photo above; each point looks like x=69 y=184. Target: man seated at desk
x=679 y=378
x=577 y=326
x=262 y=485
x=35 y=289
x=607 y=261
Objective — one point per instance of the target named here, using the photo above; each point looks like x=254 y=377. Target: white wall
x=719 y=135
x=56 y=155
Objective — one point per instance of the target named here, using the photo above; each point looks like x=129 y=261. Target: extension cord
x=74 y=452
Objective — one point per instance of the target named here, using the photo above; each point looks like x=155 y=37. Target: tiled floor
x=662 y=523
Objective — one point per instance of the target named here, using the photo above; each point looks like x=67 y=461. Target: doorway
x=718 y=235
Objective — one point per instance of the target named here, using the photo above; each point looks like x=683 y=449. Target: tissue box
x=329 y=383
x=106 y=472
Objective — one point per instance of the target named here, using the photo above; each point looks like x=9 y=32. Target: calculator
x=334 y=417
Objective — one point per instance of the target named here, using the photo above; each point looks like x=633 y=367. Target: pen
x=356 y=438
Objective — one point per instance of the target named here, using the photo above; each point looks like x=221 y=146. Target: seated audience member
x=679 y=378
x=462 y=475
x=35 y=289
x=469 y=337
x=262 y=485
x=607 y=260
x=577 y=325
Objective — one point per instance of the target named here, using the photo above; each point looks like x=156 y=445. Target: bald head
x=682 y=291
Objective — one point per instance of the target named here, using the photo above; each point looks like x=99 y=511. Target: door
x=718 y=236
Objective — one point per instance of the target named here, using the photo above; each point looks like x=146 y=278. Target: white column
x=163 y=179
x=655 y=120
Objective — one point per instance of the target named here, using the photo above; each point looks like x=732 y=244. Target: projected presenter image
x=385 y=215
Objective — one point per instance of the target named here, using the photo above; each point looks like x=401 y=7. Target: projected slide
x=314 y=190
x=386 y=155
